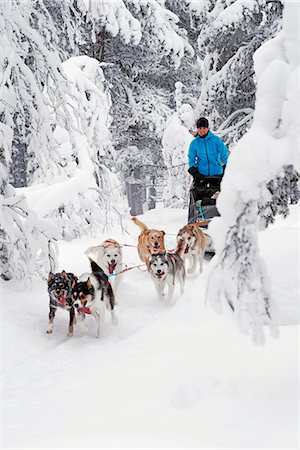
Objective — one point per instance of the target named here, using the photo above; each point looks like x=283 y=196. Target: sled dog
x=108 y=256
x=166 y=268
x=60 y=287
x=92 y=295
x=195 y=245
x=150 y=241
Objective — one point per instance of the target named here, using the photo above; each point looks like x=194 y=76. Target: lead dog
x=195 y=244
x=150 y=241
x=166 y=268
x=60 y=287
x=108 y=256
x=93 y=294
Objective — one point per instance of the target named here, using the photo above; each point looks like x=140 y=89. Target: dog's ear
x=195 y=232
x=50 y=276
x=65 y=275
x=89 y=283
x=163 y=232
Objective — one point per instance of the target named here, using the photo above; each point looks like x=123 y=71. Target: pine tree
x=261 y=181
x=37 y=112
x=230 y=34
x=176 y=142
x=142 y=100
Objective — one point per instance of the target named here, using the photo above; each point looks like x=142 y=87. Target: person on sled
x=207 y=161
x=207 y=153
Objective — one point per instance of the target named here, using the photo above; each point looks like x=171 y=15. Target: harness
x=125 y=270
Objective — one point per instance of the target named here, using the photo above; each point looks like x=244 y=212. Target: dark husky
x=60 y=287
x=166 y=268
x=92 y=295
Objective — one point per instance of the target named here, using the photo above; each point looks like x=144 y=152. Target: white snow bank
x=166 y=377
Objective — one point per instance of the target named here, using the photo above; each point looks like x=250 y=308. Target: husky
x=150 y=241
x=166 y=268
x=93 y=294
x=196 y=243
x=60 y=287
x=109 y=258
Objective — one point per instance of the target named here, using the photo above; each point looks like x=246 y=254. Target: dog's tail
x=97 y=269
x=92 y=250
x=179 y=250
x=140 y=224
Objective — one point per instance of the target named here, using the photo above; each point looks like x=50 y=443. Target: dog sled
x=202 y=201
x=202 y=204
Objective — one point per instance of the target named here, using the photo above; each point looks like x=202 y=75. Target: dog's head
x=155 y=241
x=189 y=235
x=112 y=255
x=83 y=294
x=159 y=266
x=60 y=287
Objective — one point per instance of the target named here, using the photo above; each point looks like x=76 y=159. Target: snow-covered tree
x=176 y=142
x=27 y=244
x=48 y=111
x=88 y=196
x=263 y=166
x=230 y=32
x=25 y=121
x=142 y=80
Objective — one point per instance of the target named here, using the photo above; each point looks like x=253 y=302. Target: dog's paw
x=69 y=334
x=49 y=330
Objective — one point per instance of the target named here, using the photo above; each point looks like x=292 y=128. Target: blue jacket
x=208 y=154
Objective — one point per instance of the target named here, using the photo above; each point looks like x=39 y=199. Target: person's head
x=202 y=126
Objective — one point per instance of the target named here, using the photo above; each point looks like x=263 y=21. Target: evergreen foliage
x=261 y=181
x=283 y=192
x=230 y=34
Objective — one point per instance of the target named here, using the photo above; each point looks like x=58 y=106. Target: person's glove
x=198 y=178
x=224 y=167
x=193 y=171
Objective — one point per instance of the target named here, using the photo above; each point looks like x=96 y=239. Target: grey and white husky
x=166 y=268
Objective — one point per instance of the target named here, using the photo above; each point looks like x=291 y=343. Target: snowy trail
x=175 y=376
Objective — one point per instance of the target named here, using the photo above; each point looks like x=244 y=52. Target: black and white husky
x=93 y=294
x=166 y=268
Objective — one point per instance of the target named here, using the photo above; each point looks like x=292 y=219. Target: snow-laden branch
x=262 y=173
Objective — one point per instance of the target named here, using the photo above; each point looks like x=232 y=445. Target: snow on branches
x=176 y=141
x=162 y=26
x=283 y=191
x=60 y=120
x=241 y=279
x=230 y=34
x=85 y=196
x=261 y=180
x=27 y=243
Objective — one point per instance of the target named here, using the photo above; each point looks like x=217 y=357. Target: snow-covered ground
x=167 y=376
